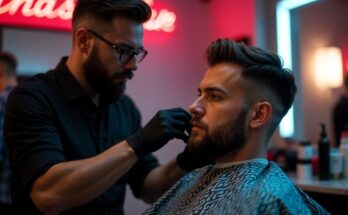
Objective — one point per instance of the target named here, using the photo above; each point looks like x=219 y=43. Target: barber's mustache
x=125 y=74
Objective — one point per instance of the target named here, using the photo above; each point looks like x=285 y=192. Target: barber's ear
x=83 y=40
x=261 y=113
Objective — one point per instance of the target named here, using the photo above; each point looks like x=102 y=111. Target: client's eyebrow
x=212 y=90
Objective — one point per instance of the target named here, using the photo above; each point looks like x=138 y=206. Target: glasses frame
x=129 y=53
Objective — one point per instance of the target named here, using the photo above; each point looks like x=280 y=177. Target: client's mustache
x=196 y=123
x=128 y=74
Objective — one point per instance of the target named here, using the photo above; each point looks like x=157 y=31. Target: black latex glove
x=164 y=126
x=188 y=162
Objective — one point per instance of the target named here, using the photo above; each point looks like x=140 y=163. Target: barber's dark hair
x=259 y=65
x=9 y=61
x=106 y=10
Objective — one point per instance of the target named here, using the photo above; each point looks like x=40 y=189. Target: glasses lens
x=127 y=55
x=141 y=54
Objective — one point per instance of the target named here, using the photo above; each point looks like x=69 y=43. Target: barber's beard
x=97 y=76
x=222 y=140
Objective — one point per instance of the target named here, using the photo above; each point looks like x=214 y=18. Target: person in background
x=340 y=114
x=8 y=80
x=241 y=100
x=75 y=138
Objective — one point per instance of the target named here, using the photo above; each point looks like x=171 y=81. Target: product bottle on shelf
x=304 y=160
x=324 y=154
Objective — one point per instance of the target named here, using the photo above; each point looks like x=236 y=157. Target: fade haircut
x=264 y=69
x=9 y=61
x=105 y=10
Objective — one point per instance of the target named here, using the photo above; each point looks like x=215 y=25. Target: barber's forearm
x=70 y=184
x=159 y=180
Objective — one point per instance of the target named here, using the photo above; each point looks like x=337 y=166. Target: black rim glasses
x=125 y=54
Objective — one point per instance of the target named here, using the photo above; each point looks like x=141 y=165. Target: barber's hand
x=186 y=161
x=164 y=126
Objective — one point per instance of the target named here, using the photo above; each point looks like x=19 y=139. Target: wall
x=170 y=74
x=319 y=25
x=36 y=50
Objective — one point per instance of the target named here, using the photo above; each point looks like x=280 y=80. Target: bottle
x=336 y=163
x=304 y=160
x=324 y=154
x=344 y=150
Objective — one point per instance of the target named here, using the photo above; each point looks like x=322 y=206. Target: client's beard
x=223 y=140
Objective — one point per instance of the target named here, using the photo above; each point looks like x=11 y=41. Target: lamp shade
x=328 y=67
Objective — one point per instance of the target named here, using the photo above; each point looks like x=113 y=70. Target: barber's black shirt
x=50 y=119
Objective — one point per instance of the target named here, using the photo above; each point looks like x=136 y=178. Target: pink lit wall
x=170 y=74
x=233 y=18
x=345 y=56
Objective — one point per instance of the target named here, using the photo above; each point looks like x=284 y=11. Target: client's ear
x=261 y=113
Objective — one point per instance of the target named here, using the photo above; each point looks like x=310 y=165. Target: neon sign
x=160 y=20
x=57 y=14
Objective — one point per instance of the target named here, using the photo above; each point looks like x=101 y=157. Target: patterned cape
x=252 y=187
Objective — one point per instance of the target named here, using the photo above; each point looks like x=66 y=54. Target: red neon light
x=49 y=14
x=56 y=14
x=163 y=20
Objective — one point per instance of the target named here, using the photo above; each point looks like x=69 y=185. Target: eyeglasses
x=125 y=54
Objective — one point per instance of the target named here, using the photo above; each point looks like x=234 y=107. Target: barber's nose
x=131 y=64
